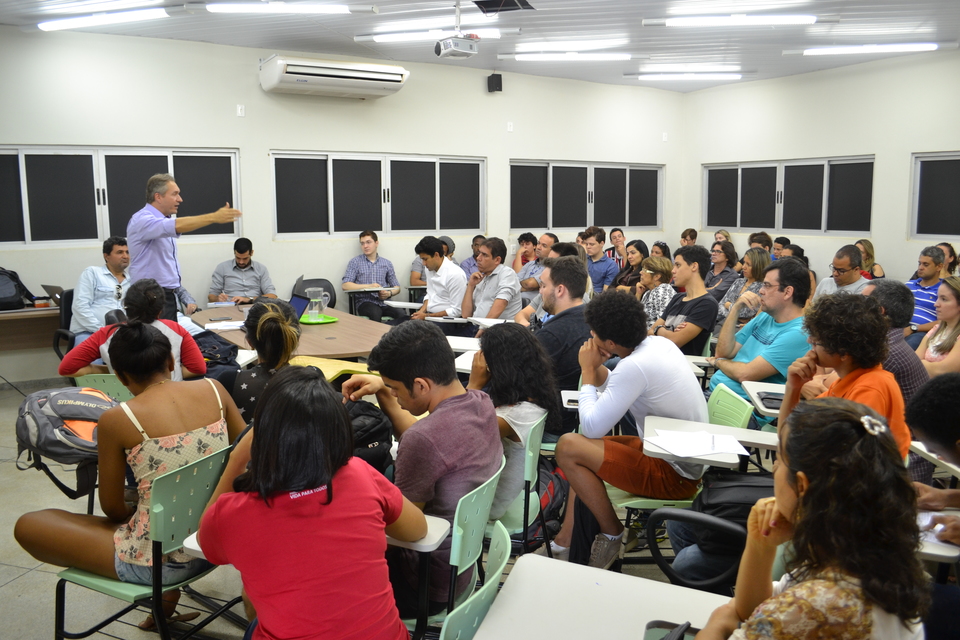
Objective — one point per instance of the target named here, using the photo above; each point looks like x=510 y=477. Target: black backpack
x=729 y=495
x=12 y=291
x=553 y=488
x=372 y=433
x=221 y=357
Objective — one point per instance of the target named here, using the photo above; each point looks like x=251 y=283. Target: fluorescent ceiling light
x=872 y=48
x=434 y=34
x=101 y=19
x=425 y=24
x=570 y=56
x=571 y=45
x=276 y=7
x=720 y=7
x=740 y=20
x=96 y=6
x=689 y=68
x=649 y=77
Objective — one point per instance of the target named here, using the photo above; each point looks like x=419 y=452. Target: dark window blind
x=206 y=184
x=357 y=195
x=758 y=197
x=643 y=197
x=301 y=187
x=413 y=195
x=569 y=197
x=127 y=185
x=722 y=197
x=938 y=208
x=609 y=197
x=60 y=191
x=803 y=197
x=11 y=200
x=850 y=197
x=460 y=195
x=528 y=197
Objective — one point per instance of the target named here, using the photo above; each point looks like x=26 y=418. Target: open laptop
x=54 y=292
x=299 y=304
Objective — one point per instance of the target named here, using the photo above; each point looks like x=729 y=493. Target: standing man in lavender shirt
x=152 y=236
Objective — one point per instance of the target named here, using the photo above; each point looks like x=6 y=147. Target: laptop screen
x=299 y=303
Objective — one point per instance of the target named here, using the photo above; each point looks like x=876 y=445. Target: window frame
x=781 y=175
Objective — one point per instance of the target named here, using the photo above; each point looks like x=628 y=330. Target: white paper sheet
x=692 y=444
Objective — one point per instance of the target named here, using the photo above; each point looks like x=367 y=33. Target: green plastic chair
x=466 y=544
x=728 y=409
x=106 y=382
x=177 y=501
x=528 y=500
x=462 y=623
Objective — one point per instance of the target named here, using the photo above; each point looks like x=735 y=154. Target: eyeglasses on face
x=119 y=291
x=839 y=272
x=766 y=286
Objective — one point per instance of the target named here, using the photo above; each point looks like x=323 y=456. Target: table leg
x=424 y=609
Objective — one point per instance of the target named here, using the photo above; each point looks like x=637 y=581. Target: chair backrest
x=106 y=382
x=66 y=308
x=178 y=498
x=323 y=283
x=462 y=622
x=728 y=409
x=470 y=523
x=531 y=455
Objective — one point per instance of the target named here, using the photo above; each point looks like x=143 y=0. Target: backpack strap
x=216 y=393
x=133 y=419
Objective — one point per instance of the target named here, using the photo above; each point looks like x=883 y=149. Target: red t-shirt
x=313 y=570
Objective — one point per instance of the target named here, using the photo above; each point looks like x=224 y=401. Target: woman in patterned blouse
x=654 y=290
x=754 y=263
x=842 y=495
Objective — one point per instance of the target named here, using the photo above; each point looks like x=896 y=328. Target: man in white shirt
x=653 y=378
x=101 y=289
x=845 y=270
x=446 y=282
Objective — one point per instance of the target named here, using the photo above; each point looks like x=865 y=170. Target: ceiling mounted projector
x=457 y=47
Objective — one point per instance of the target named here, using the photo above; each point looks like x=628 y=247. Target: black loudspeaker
x=494 y=82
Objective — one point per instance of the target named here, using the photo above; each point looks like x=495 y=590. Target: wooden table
x=349 y=337
x=583 y=602
x=29 y=328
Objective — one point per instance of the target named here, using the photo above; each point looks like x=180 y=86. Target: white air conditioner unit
x=330 y=78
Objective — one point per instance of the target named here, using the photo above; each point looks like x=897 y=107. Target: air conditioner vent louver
x=330 y=78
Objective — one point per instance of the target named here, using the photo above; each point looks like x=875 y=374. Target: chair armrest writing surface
x=753 y=388
x=437 y=531
x=918 y=447
x=191 y=546
x=570 y=399
x=403 y=305
x=464 y=361
x=486 y=323
x=746 y=437
x=460 y=344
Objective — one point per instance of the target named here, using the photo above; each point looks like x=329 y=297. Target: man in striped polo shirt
x=924 y=290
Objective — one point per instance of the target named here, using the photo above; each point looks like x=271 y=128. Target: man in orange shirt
x=848 y=334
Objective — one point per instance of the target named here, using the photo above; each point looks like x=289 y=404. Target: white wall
x=890 y=108
x=83 y=89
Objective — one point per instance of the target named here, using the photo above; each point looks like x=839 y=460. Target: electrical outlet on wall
x=513 y=248
x=241 y=111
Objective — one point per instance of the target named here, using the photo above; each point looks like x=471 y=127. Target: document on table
x=224 y=326
x=692 y=444
x=924 y=519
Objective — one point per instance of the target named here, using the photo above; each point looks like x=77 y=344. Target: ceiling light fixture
x=740 y=20
x=97 y=6
x=102 y=19
x=283 y=7
x=657 y=77
x=872 y=48
x=571 y=45
x=435 y=34
x=440 y=22
x=570 y=56
x=689 y=67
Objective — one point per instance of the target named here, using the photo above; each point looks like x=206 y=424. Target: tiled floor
x=27 y=586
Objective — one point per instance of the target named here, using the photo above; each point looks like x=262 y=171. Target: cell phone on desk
x=573 y=402
x=770 y=399
x=220 y=319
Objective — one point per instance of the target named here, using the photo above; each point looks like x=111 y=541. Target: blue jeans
x=914 y=339
x=173 y=572
x=691 y=562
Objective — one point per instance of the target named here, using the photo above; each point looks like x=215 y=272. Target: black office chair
x=64 y=333
x=323 y=283
x=114 y=316
x=722 y=584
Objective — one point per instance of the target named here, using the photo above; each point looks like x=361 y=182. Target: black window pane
x=301 y=185
x=938 y=210
x=803 y=196
x=11 y=201
x=528 y=197
x=569 y=197
x=850 y=197
x=206 y=184
x=127 y=185
x=722 y=197
x=643 y=197
x=459 y=195
x=357 y=195
x=413 y=195
x=758 y=197
x=60 y=192
x=609 y=197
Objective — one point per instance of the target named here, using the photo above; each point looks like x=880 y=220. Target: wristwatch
x=914 y=328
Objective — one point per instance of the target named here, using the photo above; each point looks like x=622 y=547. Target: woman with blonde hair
x=654 y=289
x=949 y=261
x=273 y=330
x=939 y=350
x=867 y=254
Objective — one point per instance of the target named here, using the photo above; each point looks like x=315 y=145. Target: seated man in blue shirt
x=367 y=271
x=924 y=289
x=603 y=270
x=100 y=289
x=767 y=345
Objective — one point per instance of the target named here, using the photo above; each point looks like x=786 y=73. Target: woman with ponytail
x=273 y=330
x=165 y=426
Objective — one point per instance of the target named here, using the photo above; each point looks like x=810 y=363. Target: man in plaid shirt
x=369 y=270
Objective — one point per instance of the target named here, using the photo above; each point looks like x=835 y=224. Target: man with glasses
x=100 y=289
x=845 y=270
x=766 y=346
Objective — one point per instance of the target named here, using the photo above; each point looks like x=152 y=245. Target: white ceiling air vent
x=330 y=78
